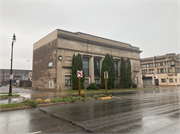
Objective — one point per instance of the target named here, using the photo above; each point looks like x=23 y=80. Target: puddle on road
x=51 y=95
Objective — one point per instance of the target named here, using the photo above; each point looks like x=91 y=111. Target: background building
x=167 y=69
x=30 y=76
x=18 y=75
x=52 y=59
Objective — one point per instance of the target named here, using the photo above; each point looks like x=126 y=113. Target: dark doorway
x=156 y=82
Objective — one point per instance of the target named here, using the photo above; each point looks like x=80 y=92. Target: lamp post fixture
x=11 y=77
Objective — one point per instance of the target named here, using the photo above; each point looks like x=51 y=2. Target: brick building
x=52 y=59
x=167 y=69
x=18 y=74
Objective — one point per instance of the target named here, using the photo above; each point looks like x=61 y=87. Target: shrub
x=39 y=101
x=83 y=95
x=47 y=100
x=32 y=103
x=118 y=85
x=69 y=98
x=75 y=98
x=134 y=85
x=110 y=95
x=99 y=85
x=96 y=96
x=88 y=98
x=24 y=100
x=61 y=99
x=78 y=97
x=64 y=100
x=82 y=99
x=93 y=86
x=72 y=100
x=56 y=100
x=102 y=95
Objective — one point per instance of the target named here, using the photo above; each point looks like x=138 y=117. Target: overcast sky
x=151 y=25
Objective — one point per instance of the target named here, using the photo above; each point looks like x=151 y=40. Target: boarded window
x=51 y=84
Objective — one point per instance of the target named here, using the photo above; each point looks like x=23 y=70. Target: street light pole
x=166 y=76
x=154 y=74
x=10 y=88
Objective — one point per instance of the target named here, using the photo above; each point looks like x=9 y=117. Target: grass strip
x=12 y=105
x=6 y=93
x=103 y=90
x=5 y=96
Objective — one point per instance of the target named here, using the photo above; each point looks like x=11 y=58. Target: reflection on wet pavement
x=36 y=94
x=139 y=113
x=33 y=120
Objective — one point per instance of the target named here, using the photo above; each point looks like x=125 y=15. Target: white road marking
x=35 y=132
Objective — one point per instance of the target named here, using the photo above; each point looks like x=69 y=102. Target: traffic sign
x=11 y=76
x=106 y=74
x=79 y=73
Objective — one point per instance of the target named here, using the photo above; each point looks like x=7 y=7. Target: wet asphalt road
x=33 y=120
x=152 y=112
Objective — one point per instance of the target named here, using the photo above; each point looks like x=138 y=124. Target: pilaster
x=91 y=68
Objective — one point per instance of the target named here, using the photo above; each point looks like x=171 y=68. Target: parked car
x=0 y=85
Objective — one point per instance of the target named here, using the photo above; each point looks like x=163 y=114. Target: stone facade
x=167 y=69
x=65 y=44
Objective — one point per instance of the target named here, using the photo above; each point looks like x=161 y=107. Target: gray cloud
x=150 y=25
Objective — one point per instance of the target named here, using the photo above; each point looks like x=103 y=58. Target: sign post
x=79 y=86
x=106 y=76
x=79 y=75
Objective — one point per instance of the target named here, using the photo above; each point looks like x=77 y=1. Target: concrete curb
x=43 y=105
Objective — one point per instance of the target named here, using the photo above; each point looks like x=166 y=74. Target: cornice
x=68 y=37
x=116 y=57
